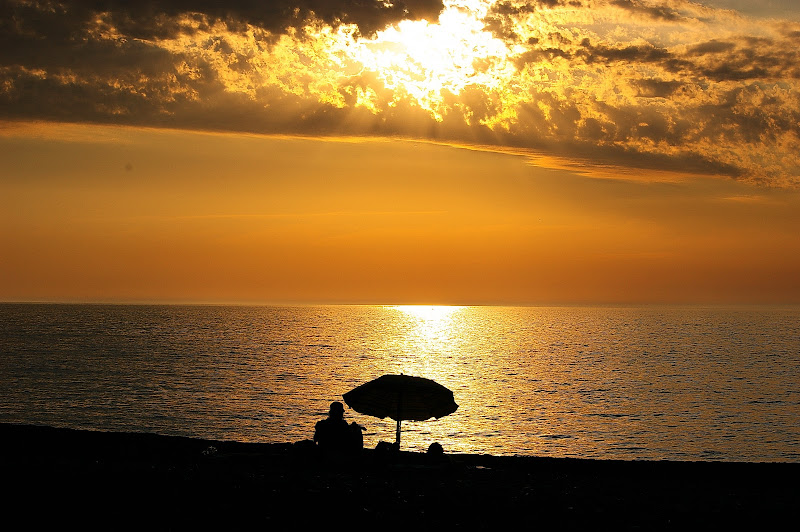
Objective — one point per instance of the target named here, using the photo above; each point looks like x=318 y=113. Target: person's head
x=336 y=411
x=435 y=449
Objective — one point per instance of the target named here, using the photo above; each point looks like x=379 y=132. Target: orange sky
x=95 y=213
x=410 y=151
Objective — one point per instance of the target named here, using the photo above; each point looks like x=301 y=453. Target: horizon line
x=563 y=304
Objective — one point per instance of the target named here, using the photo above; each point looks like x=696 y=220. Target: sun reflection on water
x=427 y=341
x=426 y=334
x=428 y=313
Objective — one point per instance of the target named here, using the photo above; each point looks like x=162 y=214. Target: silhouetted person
x=334 y=435
x=435 y=450
x=436 y=457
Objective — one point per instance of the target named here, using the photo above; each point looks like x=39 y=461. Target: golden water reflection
x=425 y=340
x=626 y=383
x=426 y=332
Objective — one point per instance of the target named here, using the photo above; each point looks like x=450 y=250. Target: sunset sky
x=452 y=152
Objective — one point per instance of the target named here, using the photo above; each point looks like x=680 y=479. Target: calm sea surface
x=629 y=383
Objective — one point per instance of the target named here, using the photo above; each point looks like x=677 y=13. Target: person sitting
x=335 y=435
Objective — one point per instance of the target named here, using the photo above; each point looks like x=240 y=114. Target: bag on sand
x=356 y=436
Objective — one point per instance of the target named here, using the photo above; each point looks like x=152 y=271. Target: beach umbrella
x=401 y=397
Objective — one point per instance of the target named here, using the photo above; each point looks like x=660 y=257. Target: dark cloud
x=768 y=8
x=738 y=59
x=540 y=55
x=63 y=33
x=655 y=11
x=742 y=58
x=656 y=88
x=149 y=19
x=634 y=53
x=711 y=47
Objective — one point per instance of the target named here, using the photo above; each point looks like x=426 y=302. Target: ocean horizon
x=608 y=382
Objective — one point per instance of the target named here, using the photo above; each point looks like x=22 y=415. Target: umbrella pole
x=399 y=416
x=397 y=439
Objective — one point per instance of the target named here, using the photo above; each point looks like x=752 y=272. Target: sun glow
x=429 y=61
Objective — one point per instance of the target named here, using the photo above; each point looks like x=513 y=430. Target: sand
x=61 y=477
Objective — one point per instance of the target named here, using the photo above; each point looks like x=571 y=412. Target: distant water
x=627 y=383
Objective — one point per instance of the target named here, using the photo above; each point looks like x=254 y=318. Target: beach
x=130 y=480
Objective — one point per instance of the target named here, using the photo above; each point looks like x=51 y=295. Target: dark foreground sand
x=60 y=477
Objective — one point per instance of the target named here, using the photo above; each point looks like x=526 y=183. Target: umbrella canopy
x=401 y=397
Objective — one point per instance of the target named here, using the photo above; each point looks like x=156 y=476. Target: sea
x=631 y=383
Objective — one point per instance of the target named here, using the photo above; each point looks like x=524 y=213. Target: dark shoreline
x=123 y=480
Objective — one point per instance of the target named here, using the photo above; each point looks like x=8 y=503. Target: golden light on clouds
x=631 y=83
x=655 y=84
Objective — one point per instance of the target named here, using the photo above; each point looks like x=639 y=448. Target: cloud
x=649 y=83
x=657 y=11
x=150 y=19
